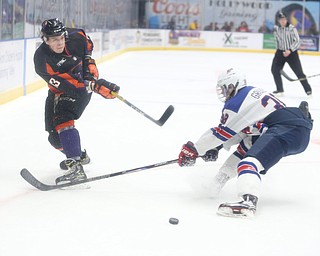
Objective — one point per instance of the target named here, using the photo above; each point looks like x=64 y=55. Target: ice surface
x=129 y=215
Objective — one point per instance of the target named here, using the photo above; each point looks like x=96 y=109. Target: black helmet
x=52 y=27
x=281 y=15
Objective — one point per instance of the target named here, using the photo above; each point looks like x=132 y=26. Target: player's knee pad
x=54 y=140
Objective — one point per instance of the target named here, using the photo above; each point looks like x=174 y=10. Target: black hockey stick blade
x=165 y=116
x=298 y=79
x=34 y=182
x=45 y=187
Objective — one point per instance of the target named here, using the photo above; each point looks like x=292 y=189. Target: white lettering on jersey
x=54 y=82
x=244 y=111
x=63 y=60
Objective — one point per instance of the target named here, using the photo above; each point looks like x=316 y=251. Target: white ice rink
x=128 y=215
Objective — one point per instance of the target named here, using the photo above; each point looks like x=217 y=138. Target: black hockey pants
x=294 y=62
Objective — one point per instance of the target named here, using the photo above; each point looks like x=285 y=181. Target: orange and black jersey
x=64 y=71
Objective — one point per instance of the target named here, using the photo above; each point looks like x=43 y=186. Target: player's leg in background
x=226 y=172
x=229 y=168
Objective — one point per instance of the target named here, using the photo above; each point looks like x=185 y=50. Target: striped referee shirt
x=287 y=38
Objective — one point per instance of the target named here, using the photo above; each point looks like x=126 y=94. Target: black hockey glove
x=212 y=154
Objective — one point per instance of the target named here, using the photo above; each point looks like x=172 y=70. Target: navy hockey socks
x=70 y=140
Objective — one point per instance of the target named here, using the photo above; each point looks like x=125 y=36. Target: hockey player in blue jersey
x=276 y=131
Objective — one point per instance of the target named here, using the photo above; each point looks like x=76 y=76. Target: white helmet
x=229 y=83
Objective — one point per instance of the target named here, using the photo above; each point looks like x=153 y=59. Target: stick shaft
x=165 y=116
x=45 y=187
x=298 y=79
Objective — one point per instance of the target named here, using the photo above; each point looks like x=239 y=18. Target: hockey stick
x=44 y=187
x=165 y=116
x=299 y=79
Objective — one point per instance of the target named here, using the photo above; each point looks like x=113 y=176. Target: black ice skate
x=304 y=106
x=244 y=209
x=75 y=172
x=84 y=158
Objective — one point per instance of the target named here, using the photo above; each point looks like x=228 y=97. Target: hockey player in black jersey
x=64 y=61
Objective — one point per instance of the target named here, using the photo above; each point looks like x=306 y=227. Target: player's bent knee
x=54 y=140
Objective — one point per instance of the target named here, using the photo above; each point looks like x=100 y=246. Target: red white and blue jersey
x=246 y=109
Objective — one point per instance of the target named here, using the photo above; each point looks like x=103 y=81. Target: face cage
x=226 y=92
x=222 y=92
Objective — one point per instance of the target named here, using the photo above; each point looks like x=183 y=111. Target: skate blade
x=77 y=187
x=228 y=212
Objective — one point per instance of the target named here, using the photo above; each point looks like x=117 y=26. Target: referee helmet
x=282 y=15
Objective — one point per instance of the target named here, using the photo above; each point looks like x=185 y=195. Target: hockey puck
x=173 y=221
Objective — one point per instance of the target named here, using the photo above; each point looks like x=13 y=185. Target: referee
x=288 y=42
